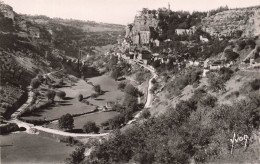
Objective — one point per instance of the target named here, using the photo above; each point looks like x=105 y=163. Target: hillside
x=205 y=92
x=30 y=45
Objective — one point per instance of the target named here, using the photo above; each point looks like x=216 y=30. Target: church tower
x=169 y=7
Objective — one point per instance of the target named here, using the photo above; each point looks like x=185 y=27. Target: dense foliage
x=194 y=129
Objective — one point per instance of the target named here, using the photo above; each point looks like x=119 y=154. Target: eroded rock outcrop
x=226 y=23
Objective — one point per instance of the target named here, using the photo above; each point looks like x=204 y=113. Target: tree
x=121 y=86
x=90 y=127
x=77 y=156
x=66 y=122
x=116 y=72
x=61 y=94
x=97 y=89
x=145 y=114
x=80 y=97
x=208 y=101
x=231 y=55
x=50 y=94
x=216 y=82
x=35 y=83
x=131 y=90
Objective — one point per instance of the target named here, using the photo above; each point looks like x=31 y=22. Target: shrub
x=90 y=127
x=61 y=94
x=80 y=97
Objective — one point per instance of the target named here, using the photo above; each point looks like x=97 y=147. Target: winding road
x=149 y=98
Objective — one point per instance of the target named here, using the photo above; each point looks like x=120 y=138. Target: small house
x=216 y=65
x=110 y=105
x=203 y=39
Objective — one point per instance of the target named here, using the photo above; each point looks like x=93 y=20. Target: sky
x=114 y=11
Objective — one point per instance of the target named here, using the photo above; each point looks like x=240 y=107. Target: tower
x=169 y=7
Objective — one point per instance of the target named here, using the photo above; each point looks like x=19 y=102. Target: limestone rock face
x=139 y=31
x=7 y=11
x=228 y=22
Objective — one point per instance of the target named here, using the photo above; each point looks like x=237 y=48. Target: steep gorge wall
x=227 y=22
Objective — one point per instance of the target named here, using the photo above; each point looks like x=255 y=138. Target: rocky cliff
x=228 y=22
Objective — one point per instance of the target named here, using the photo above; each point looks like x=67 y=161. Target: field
x=80 y=121
x=73 y=106
x=110 y=87
x=70 y=105
x=26 y=148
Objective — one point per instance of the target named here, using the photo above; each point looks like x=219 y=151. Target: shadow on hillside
x=75 y=131
x=99 y=99
x=65 y=104
x=68 y=98
x=121 y=79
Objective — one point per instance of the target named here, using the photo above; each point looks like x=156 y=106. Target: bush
x=61 y=94
x=80 y=97
x=90 y=127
